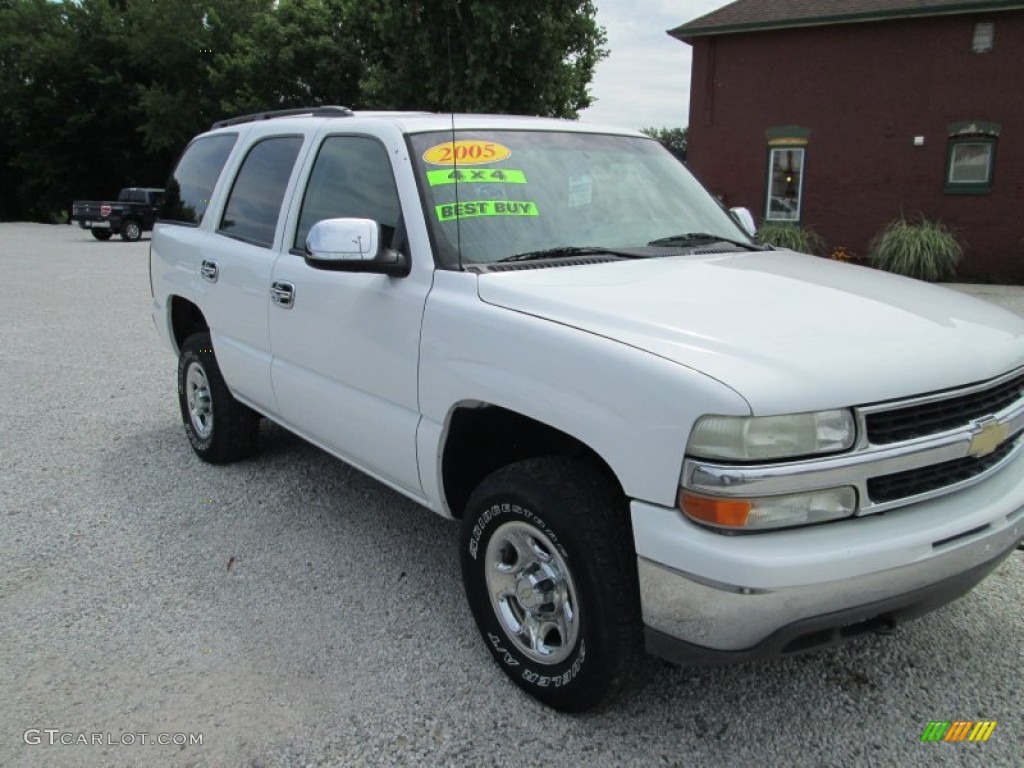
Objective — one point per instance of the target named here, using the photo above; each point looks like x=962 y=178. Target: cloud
x=645 y=81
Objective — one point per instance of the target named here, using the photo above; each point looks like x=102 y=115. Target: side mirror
x=745 y=219
x=352 y=245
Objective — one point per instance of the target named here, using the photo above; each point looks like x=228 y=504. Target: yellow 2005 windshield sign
x=475 y=176
x=470 y=210
x=466 y=152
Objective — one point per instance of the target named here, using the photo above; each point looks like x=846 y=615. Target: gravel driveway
x=293 y=612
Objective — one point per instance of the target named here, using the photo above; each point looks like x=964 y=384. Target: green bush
x=922 y=249
x=792 y=236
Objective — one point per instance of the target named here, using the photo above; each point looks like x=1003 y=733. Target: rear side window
x=191 y=185
x=352 y=178
x=254 y=203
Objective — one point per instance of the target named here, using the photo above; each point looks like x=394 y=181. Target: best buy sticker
x=476 y=208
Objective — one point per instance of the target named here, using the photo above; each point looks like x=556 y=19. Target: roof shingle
x=752 y=15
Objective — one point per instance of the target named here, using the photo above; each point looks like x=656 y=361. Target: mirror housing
x=353 y=245
x=745 y=219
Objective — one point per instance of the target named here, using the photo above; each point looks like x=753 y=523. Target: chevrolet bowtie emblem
x=989 y=436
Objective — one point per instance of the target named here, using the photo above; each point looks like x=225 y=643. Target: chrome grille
x=914 y=482
x=930 y=418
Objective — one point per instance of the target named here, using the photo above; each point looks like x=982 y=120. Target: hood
x=789 y=332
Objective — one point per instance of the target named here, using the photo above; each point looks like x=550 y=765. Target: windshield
x=497 y=194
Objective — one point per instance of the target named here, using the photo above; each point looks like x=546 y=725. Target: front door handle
x=283 y=294
x=208 y=269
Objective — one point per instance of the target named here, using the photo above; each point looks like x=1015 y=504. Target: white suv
x=653 y=431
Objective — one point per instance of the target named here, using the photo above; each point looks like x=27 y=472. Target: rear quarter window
x=190 y=186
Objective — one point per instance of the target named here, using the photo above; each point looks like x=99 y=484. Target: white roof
x=426 y=122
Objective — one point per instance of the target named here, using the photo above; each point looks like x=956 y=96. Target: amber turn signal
x=728 y=512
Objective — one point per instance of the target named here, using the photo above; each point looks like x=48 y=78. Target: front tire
x=130 y=231
x=101 y=234
x=219 y=428
x=549 y=569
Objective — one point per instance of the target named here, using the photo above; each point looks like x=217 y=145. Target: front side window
x=254 y=203
x=351 y=178
x=491 y=195
x=785 y=183
x=190 y=187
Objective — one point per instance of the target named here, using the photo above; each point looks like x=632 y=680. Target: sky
x=645 y=81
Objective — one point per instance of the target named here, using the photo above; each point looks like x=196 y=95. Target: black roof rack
x=311 y=111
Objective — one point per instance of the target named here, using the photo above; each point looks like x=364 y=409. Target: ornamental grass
x=791 y=236
x=923 y=249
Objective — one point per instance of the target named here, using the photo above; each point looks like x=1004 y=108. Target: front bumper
x=828 y=628
x=708 y=597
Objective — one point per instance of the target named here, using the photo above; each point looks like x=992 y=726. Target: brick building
x=843 y=114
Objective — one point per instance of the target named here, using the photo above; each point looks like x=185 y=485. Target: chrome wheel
x=199 y=399
x=131 y=231
x=532 y=592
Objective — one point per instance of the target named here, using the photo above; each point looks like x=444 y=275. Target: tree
x=66 y=93
x=673 y=139
x=302 y=54
x=179 y=45
x=479 y=55
x=100 y=94
x=35 y=55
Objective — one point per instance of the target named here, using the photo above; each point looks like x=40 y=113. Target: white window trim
x=800 y=189
x=983 y=39
x=989 y=145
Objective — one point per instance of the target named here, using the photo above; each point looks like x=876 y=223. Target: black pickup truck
x=133 y=213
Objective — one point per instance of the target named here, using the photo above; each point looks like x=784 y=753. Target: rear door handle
x=209 y=271
x=283 y=294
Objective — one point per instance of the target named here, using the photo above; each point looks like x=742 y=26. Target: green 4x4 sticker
x=475 y=176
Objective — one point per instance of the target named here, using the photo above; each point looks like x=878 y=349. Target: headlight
x=751 y=438
x=770 y=511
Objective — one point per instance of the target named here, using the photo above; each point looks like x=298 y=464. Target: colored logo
x=989 y=436
x=958 y=730
x=104 y=210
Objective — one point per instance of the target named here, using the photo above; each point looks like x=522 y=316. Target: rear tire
x=101 y=234
x=549 y=568
x=130 y=231
x=219 y=428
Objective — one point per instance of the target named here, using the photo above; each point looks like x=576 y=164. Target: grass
x=923 y=249
x=792 y=236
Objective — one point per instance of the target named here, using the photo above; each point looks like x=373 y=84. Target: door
x=236 y=269
x=346 y=345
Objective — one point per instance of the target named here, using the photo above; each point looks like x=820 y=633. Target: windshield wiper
x=700 y=238
x=567 y=252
